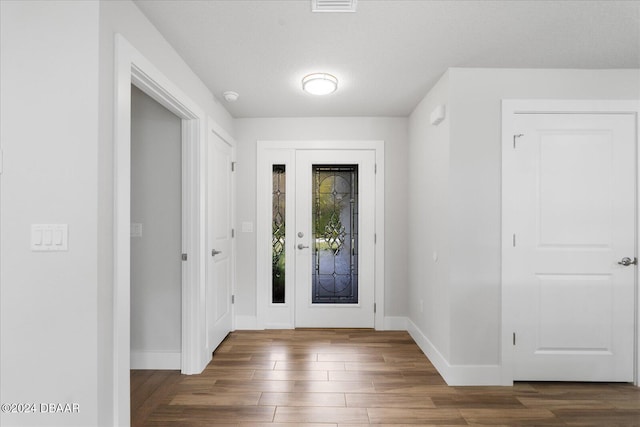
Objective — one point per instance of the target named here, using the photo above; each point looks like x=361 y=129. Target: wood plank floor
x=348 y=378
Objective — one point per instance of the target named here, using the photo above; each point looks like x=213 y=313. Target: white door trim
x=509 y=109
x=131 y=67
x=265 y=150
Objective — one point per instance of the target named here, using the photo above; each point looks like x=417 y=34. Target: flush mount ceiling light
x=333 y=5
x=319 y=84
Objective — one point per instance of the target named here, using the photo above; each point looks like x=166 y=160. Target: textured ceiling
x=389 y=53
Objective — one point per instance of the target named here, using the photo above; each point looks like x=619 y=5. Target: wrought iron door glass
x=335 y=234
x=278 y=235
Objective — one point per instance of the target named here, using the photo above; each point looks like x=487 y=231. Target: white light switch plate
x=49 y=237
x=136 y=229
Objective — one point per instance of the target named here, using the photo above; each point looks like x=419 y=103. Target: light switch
x=135 y=230
x=36 y=237
x=57 y=237
x=49 y=237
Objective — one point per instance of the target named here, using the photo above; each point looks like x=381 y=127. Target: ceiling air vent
x=333 y=5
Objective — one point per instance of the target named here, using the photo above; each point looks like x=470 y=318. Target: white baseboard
x=247 y=323
x=455 y=375
x=391 y=323
x=279 y=326
x=155 y=359
x=395 y=323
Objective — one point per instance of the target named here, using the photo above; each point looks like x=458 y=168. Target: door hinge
x=233 y=166
x=514 y=240
x=233 y=299
x=516 y=137
x=184 y=257
x=233 y=233
x=375 y=238
x=514 y=338
x=374 y=307
x=375 y=168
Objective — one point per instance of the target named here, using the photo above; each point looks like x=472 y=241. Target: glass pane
x=335 y=234
x=278 y=234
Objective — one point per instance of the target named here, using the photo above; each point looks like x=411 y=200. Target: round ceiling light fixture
x=319 y=84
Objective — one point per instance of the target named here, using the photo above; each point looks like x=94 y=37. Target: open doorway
x=156 y=235
x=133 y=68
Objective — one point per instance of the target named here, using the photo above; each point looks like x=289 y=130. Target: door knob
x=301 y=246
x=627 y=261
x=214 y=252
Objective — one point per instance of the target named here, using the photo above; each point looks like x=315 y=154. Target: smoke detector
x=333 y=5
x=231 y=96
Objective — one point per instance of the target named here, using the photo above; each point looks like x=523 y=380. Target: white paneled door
x=219 y=241
x=572 y=197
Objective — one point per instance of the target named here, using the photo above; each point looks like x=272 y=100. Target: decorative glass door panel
x=335 y=234
x=278 y=236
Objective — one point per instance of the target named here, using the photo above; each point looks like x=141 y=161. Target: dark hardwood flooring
x=349 y=378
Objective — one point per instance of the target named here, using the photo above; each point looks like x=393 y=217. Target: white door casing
x=569 y=200
x=219 y=240
x=308 y=314
x=133 y=68
x=271 y=153
x=269 y=315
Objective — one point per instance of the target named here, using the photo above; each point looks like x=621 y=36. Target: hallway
x=352 y=377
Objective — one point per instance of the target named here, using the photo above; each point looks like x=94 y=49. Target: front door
x=573 y=198
x=317 y=235
x=334 y=238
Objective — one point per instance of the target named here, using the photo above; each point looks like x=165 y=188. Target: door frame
x=131 y=67
x=283 y=152
x=510 y=108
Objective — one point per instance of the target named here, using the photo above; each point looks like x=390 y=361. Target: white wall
x=57 y=62
x=475 y=187
x=392 y=130
x=156 y=204
x=125 y=18
x=474 y=211
x=49 y=115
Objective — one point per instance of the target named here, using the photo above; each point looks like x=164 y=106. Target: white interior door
x=334 y=238
x=573 y=198
x=219 y=241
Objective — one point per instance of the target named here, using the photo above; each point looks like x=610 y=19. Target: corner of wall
x=428 y=217
x=455 y=375
x=395 y=323
x=246 y=323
